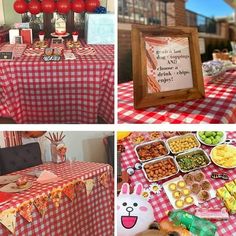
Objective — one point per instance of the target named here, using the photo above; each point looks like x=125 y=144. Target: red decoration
x=20 y=6
x=34 y=7
x=78 y=6
x=48 y=6
x=91 y=5
x=63 y=6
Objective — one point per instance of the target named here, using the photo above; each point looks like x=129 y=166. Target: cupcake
x=195 y=188
x=179 y=203
x=205 y=185
x=199 y=176
x=177 y=194
x=186 y=191
x=22 y=182
x=189 y=179
x=203 y=196
x=181 y=184
x=172 y=187
x=188 y=200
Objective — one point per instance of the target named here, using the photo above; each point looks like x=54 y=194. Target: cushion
x=19 y=157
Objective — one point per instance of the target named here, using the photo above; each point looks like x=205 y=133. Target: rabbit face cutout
x=134 y=213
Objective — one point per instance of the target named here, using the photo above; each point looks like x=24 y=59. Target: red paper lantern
x=34 y=7
x=91 y=5
x=63 y=6
x=48 y=6
x=20 y=6
x=78 y=6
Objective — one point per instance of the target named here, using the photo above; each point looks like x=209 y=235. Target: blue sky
x=209 y=7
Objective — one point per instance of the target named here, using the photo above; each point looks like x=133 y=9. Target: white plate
x=6 y=179
x=172 y=199
x=217 y=163
x=213 y=145
x=12 y=188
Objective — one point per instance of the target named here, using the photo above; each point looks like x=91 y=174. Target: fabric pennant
x=25 y=210
x=89 y=184
x=69 y=191
x=56 y=196
x=8 y=219
x=41 y=203
x=104 y=179
x=80 y=185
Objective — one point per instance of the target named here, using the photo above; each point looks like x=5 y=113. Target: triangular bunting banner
x=41 y=203
x=104 y=179
x=80 y=185
x=69 y=191
x=56 y=196
x=25 y=210
x=89 y=183
x=8 y=219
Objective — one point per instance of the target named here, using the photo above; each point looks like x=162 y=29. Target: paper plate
x=12 y=188
x=231 y=159
x=6 y=179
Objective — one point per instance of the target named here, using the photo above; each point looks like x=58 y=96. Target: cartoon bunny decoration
x=134 y=213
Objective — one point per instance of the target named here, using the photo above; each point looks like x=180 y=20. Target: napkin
x=47 y=177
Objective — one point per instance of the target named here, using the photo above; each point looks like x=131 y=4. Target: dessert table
x=90 y=212
x=67 y=91
x=160 y=202
x=218 y=106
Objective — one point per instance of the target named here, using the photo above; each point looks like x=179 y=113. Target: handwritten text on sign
x=168 y=64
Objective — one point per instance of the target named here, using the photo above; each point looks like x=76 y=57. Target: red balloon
x=20 y=6
x=48 y=6
x=34 y=7
x=78 y=6
x=91 y=5
x=63 y=6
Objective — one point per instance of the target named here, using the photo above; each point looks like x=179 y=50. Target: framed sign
x=166 y=65
x=57 y=41
x=6 y=56
x=18 y=40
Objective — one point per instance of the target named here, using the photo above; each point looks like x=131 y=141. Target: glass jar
x=58 y=152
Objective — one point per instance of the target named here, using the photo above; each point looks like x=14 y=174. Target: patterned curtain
x=12 y=138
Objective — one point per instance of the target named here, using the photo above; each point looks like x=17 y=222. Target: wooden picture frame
x=166 y=65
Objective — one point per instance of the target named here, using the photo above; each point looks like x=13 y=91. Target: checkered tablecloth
x=84 y=216
x=219 y=105
x=77 y=91
x=160 y=202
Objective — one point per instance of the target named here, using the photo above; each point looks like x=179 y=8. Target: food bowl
x=151 y=150
x=193 y=160
x=180 y=139
x=221 y=139
x=160 y=169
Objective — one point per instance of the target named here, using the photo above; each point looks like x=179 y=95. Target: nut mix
x=151 y=150
x=160 y=169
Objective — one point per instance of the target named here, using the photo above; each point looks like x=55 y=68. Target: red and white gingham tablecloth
x=219 y=106
x=84 y=216
x=73 y=91
x=160 y=202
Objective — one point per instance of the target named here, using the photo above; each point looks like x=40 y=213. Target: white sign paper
x=168 y=64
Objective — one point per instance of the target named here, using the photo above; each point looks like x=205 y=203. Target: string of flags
x=8 y=216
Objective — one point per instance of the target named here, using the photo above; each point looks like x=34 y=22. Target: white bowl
x=213 y=145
